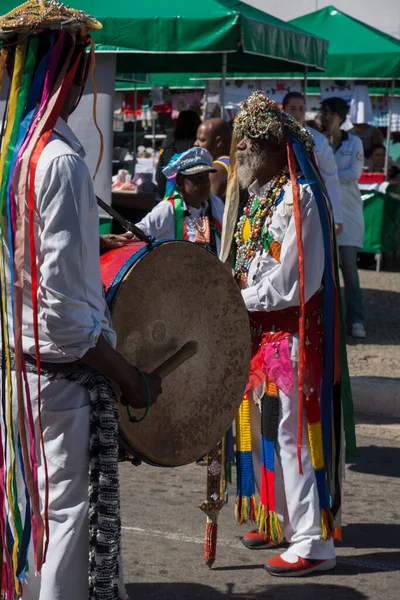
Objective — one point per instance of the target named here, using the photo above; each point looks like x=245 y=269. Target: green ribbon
x=178 y=216
x=345 y=386
x=23 y=93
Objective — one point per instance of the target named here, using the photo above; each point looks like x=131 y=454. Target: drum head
x=177 y=293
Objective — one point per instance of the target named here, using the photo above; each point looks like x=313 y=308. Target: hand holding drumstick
x=108 y=361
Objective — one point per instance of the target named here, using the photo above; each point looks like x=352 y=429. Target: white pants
x=296 y=495
x=65 y=420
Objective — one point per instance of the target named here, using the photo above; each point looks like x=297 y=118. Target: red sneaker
x=303 y=566
x=253 y=540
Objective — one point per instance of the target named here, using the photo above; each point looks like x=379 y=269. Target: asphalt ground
x=163 y=532
x=163 y=528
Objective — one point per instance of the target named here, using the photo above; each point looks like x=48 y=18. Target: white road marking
x=180 y=537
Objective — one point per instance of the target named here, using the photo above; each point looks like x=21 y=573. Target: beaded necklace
x=201 y=224
x=252 y=229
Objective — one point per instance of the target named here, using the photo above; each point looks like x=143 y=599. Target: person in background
x=395 y=147
x=369 y=135
x=184 y=136
x=376 y=162
x=189 y=211
x=349 y=157
x=314 y=124
x=295 y=105
x=215 y=135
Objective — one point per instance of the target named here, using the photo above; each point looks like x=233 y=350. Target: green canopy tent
x=356 y=50
x=213 y=35
x=145 y=35
x=201 y=36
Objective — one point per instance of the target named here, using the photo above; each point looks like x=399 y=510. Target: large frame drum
x=162 y=296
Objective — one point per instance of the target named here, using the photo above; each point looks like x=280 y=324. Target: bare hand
x=111 y=241
x=338 y=228
x=133 y=390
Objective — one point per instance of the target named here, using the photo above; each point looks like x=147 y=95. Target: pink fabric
x=272 y=362
x=277 y=365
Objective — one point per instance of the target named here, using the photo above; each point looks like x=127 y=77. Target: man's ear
x=178 y=180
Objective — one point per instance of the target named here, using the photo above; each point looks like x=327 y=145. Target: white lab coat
x=350 y=161
x=327 y=165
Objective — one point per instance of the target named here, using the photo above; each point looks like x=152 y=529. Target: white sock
x=290 y=557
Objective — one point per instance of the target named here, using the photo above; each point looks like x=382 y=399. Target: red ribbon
x=302 y=321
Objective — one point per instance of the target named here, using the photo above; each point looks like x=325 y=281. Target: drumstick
x=187 y=351
x=127 y=225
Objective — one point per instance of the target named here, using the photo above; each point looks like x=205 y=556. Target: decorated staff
x=289 y=424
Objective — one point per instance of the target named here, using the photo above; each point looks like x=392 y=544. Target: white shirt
x=274 y=285
x=350 y=160
x=160 y=222
x=72 y=309
x=327 y=165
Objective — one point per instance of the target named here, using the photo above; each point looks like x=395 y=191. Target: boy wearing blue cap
x=189 y=211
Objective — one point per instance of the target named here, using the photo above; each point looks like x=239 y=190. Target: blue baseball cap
x=192 y=161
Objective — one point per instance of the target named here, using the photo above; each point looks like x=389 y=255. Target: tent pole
x=305 y=83
x=388 y=131
x=223 y=84
x=135 y=121
x=153 y=129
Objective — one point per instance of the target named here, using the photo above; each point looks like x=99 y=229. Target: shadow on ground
x=377 y=460
x=193 y=591
x=372 y=535
x=347 y=565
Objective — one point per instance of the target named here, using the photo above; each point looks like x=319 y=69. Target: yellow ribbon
x=20 y=54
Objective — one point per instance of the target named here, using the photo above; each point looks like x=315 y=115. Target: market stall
x=381 y=207
x=213 y=35
x=145 y=108
x=362 y=68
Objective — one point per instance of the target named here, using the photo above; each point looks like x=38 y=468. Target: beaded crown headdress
x=36 y=15
x=260 y=117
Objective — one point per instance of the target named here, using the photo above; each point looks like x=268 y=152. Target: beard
x=248 y=165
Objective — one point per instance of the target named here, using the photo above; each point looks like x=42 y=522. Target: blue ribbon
x=32 y=101
x=328 y=298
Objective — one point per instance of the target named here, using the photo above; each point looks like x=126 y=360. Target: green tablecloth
x=382 y=219
x=105 y=225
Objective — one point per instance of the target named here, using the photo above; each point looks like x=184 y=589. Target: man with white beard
x=287 y=454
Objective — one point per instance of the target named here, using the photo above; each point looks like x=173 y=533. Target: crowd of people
x=340 y=158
